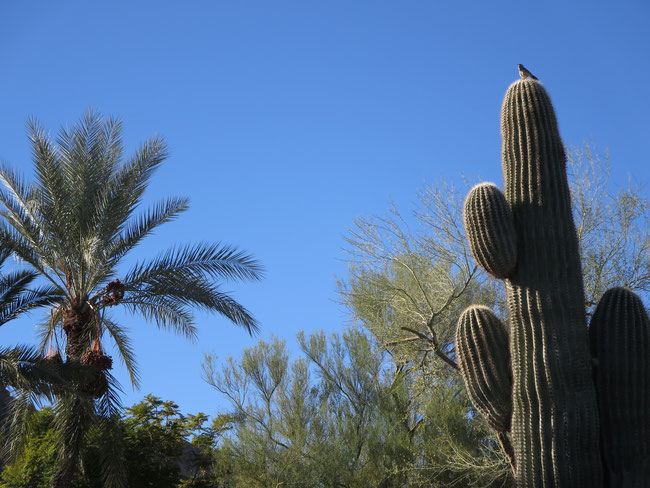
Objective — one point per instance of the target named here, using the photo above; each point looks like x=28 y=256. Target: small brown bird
x=524 y=73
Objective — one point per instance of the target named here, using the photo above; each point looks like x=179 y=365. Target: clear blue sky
x=286 y=120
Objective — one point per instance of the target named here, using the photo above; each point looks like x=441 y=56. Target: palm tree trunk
x=75 y=323
x=63 y=476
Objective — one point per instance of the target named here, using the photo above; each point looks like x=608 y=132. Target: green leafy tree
x=164 y=449
x=36 y=465
x=613 y=227
x=342 y=415
x=74 y=226
x=409 y=279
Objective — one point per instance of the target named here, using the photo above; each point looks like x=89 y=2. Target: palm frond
x=22 y=368
x=87 y=178
x=113 y=463
x=145 y=224
x=109 y=405
x=185 y=289
x=12 y=240
x=236 y=313
x=45 y=158
x=5 y=252
x=125 y=350
x=20 y=208
x=123 y=190
x=82 y=151
x=25 y=368
x=15 y=299
x=17 y=424
x=46 y=329
x=132 y=233
x=164 y=312
x=19 y=198
x=12 y=286
x=214 y=260
x=23 y=214
x=26 y=231
x=138 y=170
x=32 y=378
x=73 y=416
x=53 y=190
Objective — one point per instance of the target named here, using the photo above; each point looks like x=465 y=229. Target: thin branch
x=435 y=348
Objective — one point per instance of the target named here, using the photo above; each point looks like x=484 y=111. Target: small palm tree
x=74 y=226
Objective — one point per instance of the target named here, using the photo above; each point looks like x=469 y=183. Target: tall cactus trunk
x=555 y=418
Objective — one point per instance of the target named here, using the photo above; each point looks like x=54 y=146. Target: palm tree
x=74 y=226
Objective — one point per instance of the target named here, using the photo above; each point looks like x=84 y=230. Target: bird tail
x=534 y=77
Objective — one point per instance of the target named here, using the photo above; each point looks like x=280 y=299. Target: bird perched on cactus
x=524 y=73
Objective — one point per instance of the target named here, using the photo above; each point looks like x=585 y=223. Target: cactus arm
x=619 y=337
x=484 y=362
x=490 y=231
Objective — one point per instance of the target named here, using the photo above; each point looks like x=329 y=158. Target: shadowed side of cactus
x=619 y=336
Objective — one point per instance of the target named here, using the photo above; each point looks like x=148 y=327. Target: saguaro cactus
x=554 y=426
x=577 y=420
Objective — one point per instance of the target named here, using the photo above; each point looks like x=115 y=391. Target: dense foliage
x=341 y=415
x=163 y=448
